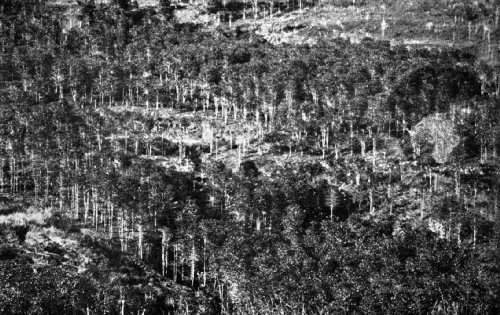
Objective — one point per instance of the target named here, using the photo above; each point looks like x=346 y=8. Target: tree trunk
x=175 y=262
x=122 y=309
x=2 y=182
x=111 y=214
x=86 y=206
x=374 y=150
x=122 y=231
x=164 y=251
x=193 y=262
x=497 y=198
x=140 y=241
x=372 y=210
x=204 y=262
x=76 y=200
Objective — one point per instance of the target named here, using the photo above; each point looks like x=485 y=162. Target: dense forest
x=153 y=166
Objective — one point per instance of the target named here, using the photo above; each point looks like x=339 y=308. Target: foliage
x=330 y=206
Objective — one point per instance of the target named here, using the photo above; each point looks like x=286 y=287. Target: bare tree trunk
x=193 y=262
x=164 y=250
x=140 y=241
x=2 y=183
x=372 y=210
x=498 y=207
x=76 y=198
x=111 y=214
x=389 y=195
x=47 y=182
x=175 y=262
x=86 y=206
x=374 y=150
x=94 y=208
x=61 y=188
x=122 y=309
x=204 y=262
x=122 y=231
x=474 y=234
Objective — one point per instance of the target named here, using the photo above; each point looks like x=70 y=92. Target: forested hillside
x=249 y=157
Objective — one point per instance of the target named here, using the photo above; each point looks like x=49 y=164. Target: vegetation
x=164 y=167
